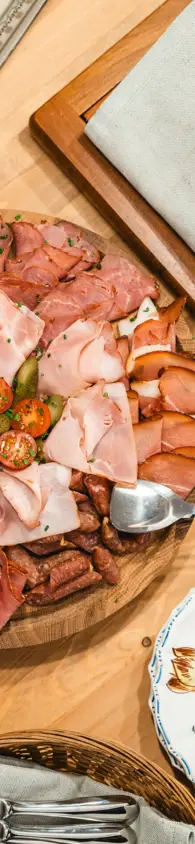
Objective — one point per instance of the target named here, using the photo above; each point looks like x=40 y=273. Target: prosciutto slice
x=148 y=436
x=95 y=435
x=75 y=300
x=5 y=243
x=20 y=331
x=58 y=512
x=86 y=353
x=12 y=581
x=149 y=367
x=177 y=430
x=177 y=388
x=44 y=258
x=131 y=284
x=173 y=470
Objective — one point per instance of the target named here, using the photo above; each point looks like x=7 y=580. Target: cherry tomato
x=6 y=395
x=17 y=450
x=31 y=416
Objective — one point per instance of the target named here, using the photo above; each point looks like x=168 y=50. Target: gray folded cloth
x=146 y=127
x=26 y=781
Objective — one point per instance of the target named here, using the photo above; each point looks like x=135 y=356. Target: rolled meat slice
x=41 y=595
x=106 y=565
x=100 y=491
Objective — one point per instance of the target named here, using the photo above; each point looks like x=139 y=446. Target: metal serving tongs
x=102 y=834
x=115 y=809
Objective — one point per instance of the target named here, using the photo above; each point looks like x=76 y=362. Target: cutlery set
x=84 y=820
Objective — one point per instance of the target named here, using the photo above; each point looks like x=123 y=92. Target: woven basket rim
x=44 y=738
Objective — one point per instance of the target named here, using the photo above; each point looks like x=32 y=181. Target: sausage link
x=44 y=597
x=17 y=554
x=100 y=491
x=107 y=567
x=85 y=541
x=115 y=541
x=67 y=571
x=77 y=481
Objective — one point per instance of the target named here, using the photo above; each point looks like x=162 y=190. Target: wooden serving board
x=59 y=127
x=32 y=626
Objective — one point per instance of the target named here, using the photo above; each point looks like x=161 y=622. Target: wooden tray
x=32 y=626
x=59 y=127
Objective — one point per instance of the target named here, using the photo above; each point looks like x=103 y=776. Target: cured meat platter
x=137 y=566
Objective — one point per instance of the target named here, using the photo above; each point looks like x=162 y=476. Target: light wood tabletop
x=97 y=682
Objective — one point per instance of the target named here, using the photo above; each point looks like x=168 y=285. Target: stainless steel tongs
x=115 y=808
x=102 y=834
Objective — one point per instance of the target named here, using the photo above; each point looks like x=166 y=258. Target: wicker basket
x=110 y=763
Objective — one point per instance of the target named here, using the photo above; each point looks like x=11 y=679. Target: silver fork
x=116 y=808
x=66 y=834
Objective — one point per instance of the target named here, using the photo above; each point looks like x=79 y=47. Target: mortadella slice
x=59 y=513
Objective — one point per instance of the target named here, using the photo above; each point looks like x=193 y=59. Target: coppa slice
x=71 y=301
x=150 y=366
x=173 y=470
x=148 y=438
x=177 y=387
x=177 y=430
x=130 y=282
x=20 y=331
x=95 y=434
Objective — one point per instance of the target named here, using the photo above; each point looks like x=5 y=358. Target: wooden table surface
x=97 y=682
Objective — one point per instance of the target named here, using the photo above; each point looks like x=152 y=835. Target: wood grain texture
x=59 y=128
x=33 y=626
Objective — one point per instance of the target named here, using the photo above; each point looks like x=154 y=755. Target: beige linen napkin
x=146 y=127
x=25 y=781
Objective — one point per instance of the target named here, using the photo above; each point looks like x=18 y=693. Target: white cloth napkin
x=25 y=781
x=146 y=127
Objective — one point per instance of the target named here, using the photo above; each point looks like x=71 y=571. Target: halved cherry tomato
x=17 y=450
x=32 y=416
x=6 y=395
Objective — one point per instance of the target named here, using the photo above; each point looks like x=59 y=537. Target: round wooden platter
x=31 y=626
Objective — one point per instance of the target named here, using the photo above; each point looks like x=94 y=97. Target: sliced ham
x=29 y=292
x=80 y=299
x=177 y=430
x=149 y=367
x=75 y=238
x=59 y=513
x=133 y=400
x=156 y=334
x=123 y=349
x=173 y=470
x=131 y=284
x=177 y=388
x=146 y=311
x=86 y=353
x=44 y=258
x=20 y=331
x=26 y=236
x=95 y=434
x=12 y=581
x=22 y=490
x=148 y=395
x=5 y=243
x=148 y=434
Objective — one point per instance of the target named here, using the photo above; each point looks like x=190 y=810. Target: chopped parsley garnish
x=65 y=336
x=105 y=395
x=3 y=236
x=132 y=318
x=26 y=462
x=1 y=251
x=40 y=354
x=31 y=452
x=40 y=411
x=45 y=241
x=92 y=460
x=19 y=304
x=9 y=413
x=116 y=601
x=18 y=217
x=17 y=417
x=46 y=527
x=70 y=241
x=98 y=265
x=9 y=340
x=37 y=313
x=146 y=310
